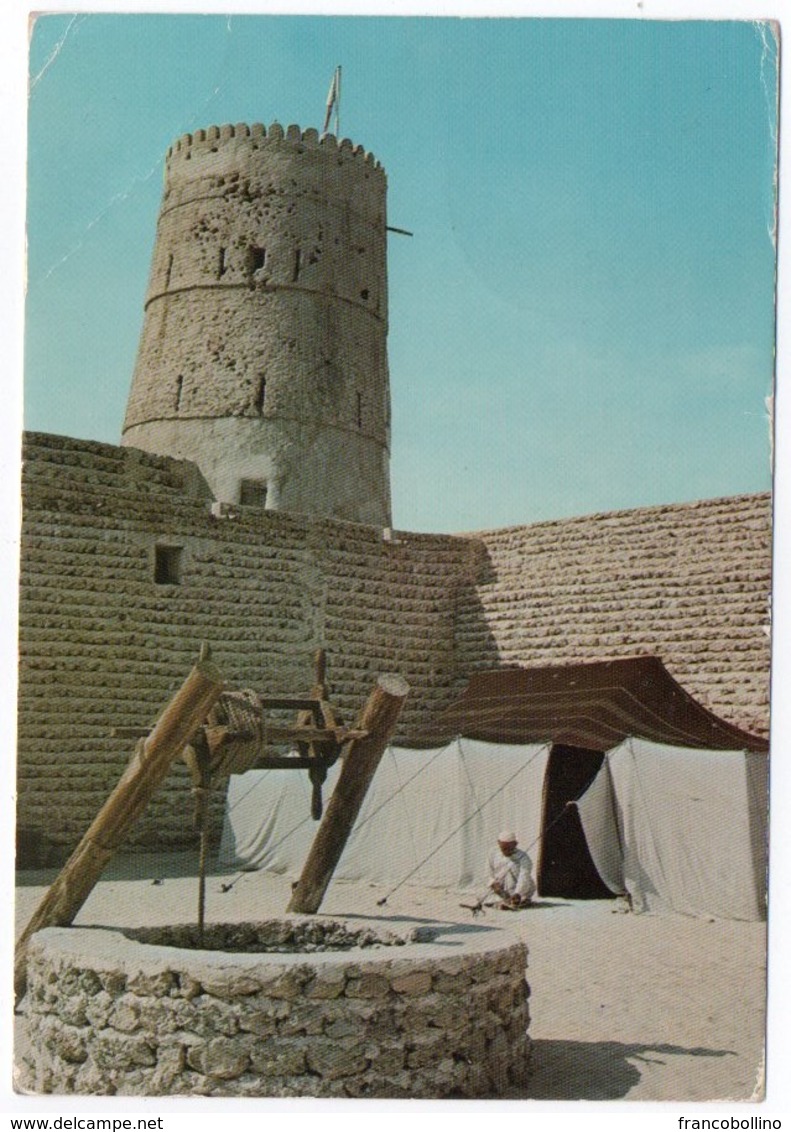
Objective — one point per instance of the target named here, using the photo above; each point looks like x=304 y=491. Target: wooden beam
x=147 y=769
x=301 y=703
x=379 y=719
x=290 y=762
x=274 y=734
x=300 y=734
x=324 y=751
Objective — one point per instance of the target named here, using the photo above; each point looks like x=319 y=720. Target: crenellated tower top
x=263 y=356
x=209 y=141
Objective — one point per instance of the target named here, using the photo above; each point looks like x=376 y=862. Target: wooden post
x=146 y=770
x=316 y=774
x=198 y=759
x=379 y=718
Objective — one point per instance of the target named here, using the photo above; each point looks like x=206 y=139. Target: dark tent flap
x=594 y=704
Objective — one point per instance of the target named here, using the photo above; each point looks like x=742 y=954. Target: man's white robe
x=512 y=874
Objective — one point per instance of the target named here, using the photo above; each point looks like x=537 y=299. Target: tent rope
x=400 y=789
x=255 y=786
x=458 y=829
x=479 y=905
x=407 y=822
x=228 y=886
x=467 y=771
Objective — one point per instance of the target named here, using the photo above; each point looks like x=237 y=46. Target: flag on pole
x=333 y=102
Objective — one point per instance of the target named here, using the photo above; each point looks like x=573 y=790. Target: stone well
x=299 y=1006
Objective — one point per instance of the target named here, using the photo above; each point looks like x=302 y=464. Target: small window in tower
x=179 y=387
x=297 y=265
x=359 y=410
x=252 y=493
x=222 y=266
x=256 y=259
x=167 y=565
x=260 y=396
x=169 y=272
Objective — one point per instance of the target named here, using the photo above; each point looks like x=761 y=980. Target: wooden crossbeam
x=298 y=703
x=289 y=762
x=318 y=734
x=274 y=734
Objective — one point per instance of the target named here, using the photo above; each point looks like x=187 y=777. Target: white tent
x=430 y=815
x=681 y=829
x=678 y=829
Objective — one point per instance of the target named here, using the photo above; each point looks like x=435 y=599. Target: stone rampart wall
x=689 y=583
x=103 y=644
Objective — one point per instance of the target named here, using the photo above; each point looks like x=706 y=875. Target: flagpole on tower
x=334 y=102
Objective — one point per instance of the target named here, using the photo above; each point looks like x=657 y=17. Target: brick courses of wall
x=688 y=582
x=102 y=644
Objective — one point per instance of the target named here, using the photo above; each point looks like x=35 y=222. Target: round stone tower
x=263 y=356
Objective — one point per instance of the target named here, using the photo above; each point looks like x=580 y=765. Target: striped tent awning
x=594 y=705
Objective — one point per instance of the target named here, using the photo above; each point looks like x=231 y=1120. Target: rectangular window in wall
x=252 y=493
x=256 y=259
x=167 y=565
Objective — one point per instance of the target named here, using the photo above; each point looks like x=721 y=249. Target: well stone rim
x=111 y=948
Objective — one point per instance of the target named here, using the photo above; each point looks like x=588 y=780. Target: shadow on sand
x=151 y=867
x=597 y=1071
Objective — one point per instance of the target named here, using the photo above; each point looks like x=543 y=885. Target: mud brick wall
x=689 y=583
x=102 y=643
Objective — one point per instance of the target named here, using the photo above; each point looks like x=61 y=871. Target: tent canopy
x=595 y=705
x=676 y=817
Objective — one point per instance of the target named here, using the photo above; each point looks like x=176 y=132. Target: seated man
x=510 y=870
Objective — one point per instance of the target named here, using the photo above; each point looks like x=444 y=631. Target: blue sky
x=584 y=317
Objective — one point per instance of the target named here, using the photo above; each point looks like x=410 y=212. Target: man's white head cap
x=507 y=837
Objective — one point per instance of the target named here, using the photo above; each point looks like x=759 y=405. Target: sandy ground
x=659 y=1008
